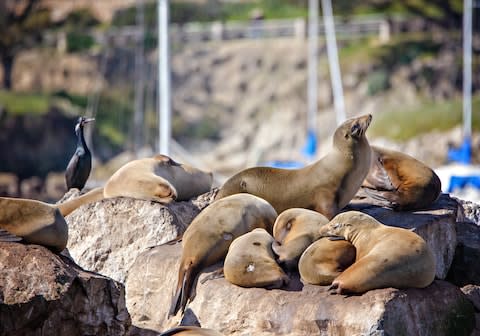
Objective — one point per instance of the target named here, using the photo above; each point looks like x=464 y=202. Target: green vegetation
x=24 y=103
x=77 y=41
x=403 y=124
x=213 y=10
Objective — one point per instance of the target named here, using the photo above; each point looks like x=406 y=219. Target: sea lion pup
x=191 y=331
x=208 y=237
x=158 y=179
x=324 y=260
x=32 y=221
x=325 y=186
x=294 y=230
x=386 y=256
x=400 y=181
x=250 y=262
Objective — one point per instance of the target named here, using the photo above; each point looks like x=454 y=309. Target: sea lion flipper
x=217 y=274
x=335 y=238
x=184 y=286
x=6 y=236
x=378 y=177
x=381 y=197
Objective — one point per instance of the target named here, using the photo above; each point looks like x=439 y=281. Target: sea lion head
x=293 y=232
x=346 y=224
x=351 y=131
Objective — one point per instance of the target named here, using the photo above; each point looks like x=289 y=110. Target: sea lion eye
x=289 y=225
x=356 y=129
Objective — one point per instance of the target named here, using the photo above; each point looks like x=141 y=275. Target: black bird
x=80 y=164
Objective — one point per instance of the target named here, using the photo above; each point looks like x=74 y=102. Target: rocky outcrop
x=440 y=309
x=107 y=236
x=42 y=293
x=305 y=309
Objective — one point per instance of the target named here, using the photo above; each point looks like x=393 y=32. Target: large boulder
x=440 y=309
x=106 y=236
x=42 y=293
x=436 y=225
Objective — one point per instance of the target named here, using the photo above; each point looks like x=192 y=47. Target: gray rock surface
x=106 y=236
x=440 y=309
x=42 y=293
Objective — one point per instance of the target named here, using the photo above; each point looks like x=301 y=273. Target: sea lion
x=386 y=256
x=324 y=260
x=325 y=186
x=32 y=221
x=294 y=230
x=36 y=222
x=158 y=179
x=400 y=181
x=191 y=331
x=250 y=262
x=208 y=237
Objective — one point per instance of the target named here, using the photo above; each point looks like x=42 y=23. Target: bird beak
x=89 y=120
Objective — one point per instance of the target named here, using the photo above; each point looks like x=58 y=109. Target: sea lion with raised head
x=325 y=186
x=324 y=260
x=208 y=237
x=400 y=181
x=159 y=179
x=250 y=262
x=385 y=256
x=294 y=230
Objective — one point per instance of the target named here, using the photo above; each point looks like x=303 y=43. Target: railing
x=357 y=27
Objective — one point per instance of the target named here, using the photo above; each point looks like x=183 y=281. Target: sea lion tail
x=69 y=206
x=182 y=294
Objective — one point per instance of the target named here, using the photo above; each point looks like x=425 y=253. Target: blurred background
x=239 y=83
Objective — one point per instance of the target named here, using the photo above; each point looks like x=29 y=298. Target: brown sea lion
x=208 y=237
x=250 y=262
x=386 y=256
x=400 y=181
x=33 y=222
x=158 y=179
x=294 y=230
x=325 y=186
x=191 y=331
x=324 y=260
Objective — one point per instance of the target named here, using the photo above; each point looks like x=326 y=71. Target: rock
x=42 y=293
x=436 y=225
x=473 y=294
x=471 y=211
x=106 y=236
x=440 y=309
x=465 y=266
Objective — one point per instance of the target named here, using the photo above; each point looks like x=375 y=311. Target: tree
x=21 y=26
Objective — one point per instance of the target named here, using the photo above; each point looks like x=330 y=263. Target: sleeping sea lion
x=400 y=181
x=158 y=179
x=250 y=262
x=294 y=230
x=324 y=260
x=208 y=237
x=386 y=256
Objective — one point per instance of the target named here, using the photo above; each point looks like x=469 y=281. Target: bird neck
x=81 y=139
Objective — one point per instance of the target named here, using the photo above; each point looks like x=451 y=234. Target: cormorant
x=80 y=164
